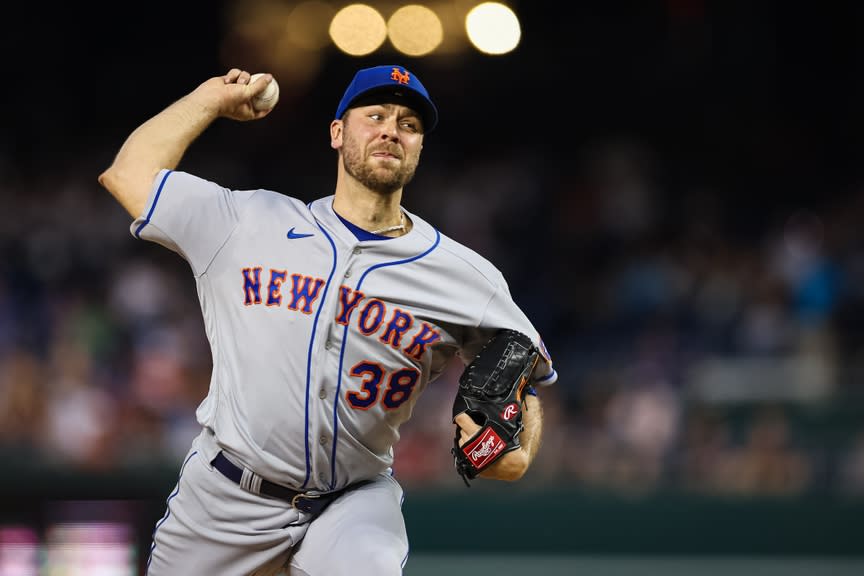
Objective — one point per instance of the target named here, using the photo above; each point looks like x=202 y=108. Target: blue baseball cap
x=394 y=82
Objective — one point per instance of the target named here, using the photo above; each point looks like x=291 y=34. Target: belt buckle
x=295 y=501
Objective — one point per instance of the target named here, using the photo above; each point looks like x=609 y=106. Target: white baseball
x=268 y=98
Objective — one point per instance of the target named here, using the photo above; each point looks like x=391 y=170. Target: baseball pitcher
x=326 y=321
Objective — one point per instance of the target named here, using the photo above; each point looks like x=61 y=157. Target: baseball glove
x=491 y=392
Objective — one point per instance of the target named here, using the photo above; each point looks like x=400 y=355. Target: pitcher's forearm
x=532 y=418
x=513 y=465
x=159 y=143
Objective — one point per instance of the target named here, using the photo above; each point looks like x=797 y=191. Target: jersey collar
x=419 y=238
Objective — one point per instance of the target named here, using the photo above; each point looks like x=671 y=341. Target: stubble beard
x=381 y=179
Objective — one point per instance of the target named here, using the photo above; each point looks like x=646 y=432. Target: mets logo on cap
x=400 y=75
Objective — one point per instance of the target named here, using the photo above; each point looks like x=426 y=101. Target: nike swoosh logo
x=294 y=235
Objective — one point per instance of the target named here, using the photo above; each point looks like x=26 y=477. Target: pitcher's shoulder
x=456 y=251
x=266 y=199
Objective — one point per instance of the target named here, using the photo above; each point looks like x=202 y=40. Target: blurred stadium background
x=674 y=189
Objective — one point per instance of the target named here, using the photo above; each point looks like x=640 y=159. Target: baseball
x=268 y=98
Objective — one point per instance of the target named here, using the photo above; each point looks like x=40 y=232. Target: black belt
x=310 y=503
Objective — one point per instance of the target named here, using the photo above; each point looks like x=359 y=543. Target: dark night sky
x=756 y=97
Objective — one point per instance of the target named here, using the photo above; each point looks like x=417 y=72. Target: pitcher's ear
x=336 y=127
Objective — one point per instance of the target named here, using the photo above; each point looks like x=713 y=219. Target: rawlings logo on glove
x=490 y=445
x=491 y=393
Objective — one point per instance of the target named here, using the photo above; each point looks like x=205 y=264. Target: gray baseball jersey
x=321 y=343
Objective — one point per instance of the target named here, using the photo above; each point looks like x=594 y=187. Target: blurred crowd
x=693 y=355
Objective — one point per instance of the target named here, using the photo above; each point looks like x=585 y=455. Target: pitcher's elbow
x=123 y=189
x=107 y=179
x=516 y=473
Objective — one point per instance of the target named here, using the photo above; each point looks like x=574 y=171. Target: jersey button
x=322 y=477
x=348 y=274
x=323 y=440
x=328 y=344
x=357 y=250
x=322 y=393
